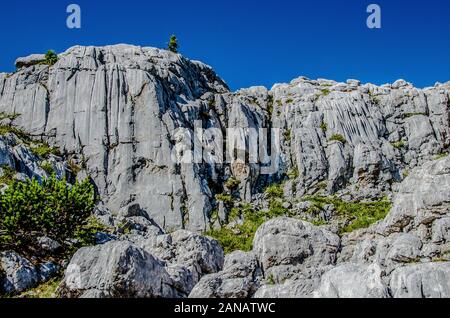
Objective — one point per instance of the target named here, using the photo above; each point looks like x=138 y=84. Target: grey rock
x=352 y=281
x=30 y=60
x=115 y=269
x=285 y=241
x=19 y=274
x=239 y=278
x=429 y=280
x=48 y=245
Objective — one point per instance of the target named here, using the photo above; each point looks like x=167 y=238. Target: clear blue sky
x=251 y=42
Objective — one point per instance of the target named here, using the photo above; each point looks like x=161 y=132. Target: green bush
x=53 y=208
x=275 y=191
x=8 y=174
x=47 y=167
x=44 y=150
x=325 y=92
x=225 y=198
x=399 y=145
x=338 y=137
x=232 y=183
x=357 y=214
x=173 y=44
x=324 y=126
x=50 y=58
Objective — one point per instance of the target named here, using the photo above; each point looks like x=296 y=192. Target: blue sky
x=251 y=42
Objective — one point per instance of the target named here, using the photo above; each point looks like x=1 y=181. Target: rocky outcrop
x=161 y=136
x=126 y=112
x=404 y=255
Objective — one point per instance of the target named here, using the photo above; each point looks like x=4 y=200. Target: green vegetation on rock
x=338 y=137
x=357 y=214
x=53 y=209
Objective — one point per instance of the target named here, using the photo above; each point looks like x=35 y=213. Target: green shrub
x=10 y=117
x=47 y=167
x=232 y=183
x=173 y=44
x=9 y=129
x=409 y=115
x=324 y=126
x=325 y=92
x=399 y=145
x=274 y=191
x=225 y=198
x=43 y=150
x=287 y=135
x=8 y=174
x=338 y=137
x=441 y=155
x=53 y=208
x=50 y=58
x=358 y=214
x=293 y=174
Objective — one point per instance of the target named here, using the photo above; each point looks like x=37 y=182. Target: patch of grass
x=409 y=115
x=225 y=198
x=43 y=150
x=11 y=117
x=324 y=126
x=8 y=174
x=9 y=129
x=405 y=174
x=270 y=280
x=47 y=167
x=358 y=214
x=399 y=144
x=287 y=135
x=274 y=191
x=293 y=173
x=46 y=290
x=441 y=156
x=338 y=137
x=232 y=183
x=279 y=103
x=325 y=92
x=73 y=167
x=240 y=236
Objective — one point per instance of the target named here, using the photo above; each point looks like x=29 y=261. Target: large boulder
x=142 y=266
x=429 y=280
x=17 y=274
x=240 y=278
x=115 y=269
x=353 y=281
x=286 y=241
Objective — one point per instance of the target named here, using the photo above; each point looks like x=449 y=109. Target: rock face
x=125 y=112
x=161 y=136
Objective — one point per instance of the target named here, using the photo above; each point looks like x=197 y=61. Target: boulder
x=352 y=281
x=286 y=241
x=19 y=274
x=428 y=280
